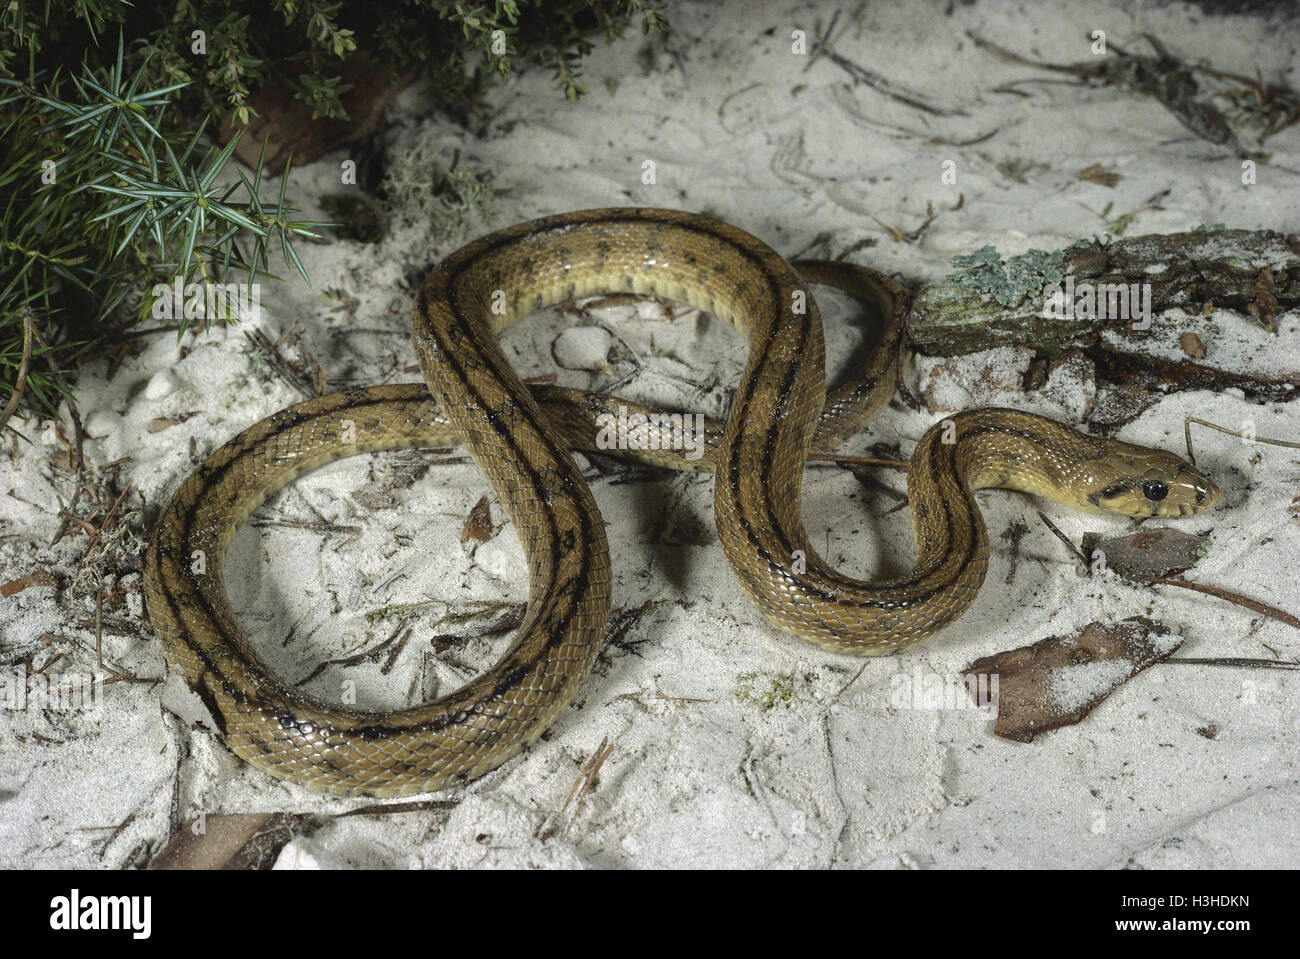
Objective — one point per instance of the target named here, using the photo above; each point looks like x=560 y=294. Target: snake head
x=1135 y=481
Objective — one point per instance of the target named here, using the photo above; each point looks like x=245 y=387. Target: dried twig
x=104 y=524
x=1187 y=435
x=1164 y=77
x=39 y=578
x=414 y=805
x=262 y=343
x=1064 y=539
x=822 y=42
x=858 y=460
x=894 y=231
x=1272 y=612
x=583 y=784
x=880 y=84
x=1236 y=661
x=393 y=644
x=842 y=689
x=79 y=433
x=20 y=381
x=589 y=772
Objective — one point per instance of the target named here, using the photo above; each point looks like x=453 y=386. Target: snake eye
x=1155 y=491
x=1113 y=490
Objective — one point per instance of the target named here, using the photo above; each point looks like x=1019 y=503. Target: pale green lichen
x=254 y=372
x=423 y=186
x=1011 y=281
x=767 y=691
x=1016 y=168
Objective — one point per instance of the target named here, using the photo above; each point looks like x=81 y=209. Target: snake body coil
x=521 y=438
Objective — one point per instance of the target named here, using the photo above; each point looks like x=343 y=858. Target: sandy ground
x=732 y=744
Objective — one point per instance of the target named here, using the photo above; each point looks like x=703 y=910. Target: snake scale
x=521 y=439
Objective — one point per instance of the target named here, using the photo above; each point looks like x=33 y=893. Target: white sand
x=701 y=773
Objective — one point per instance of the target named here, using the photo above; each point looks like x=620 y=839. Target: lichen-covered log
x=990 y=302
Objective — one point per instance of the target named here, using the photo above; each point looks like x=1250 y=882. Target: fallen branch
x=1001 y=301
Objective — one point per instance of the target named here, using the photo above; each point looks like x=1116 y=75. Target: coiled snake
x=521 y=438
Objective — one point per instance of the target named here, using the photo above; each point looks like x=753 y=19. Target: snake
x=521 y=436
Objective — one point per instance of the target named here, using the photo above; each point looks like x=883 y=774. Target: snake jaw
x=1190 y=492
x=1145 y=483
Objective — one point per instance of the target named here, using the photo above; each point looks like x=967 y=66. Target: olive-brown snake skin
x=521 y=441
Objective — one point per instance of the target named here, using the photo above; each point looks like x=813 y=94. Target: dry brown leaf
x=1059 y=680
x=230 y=841
x=160 y=423
x=1096 y=174
x=478 y=525
x=1149 y=553
x=39 y=578
x=1263 y=303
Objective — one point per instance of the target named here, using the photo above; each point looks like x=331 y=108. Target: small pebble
x=1192 y=345
x=583 y=348
x=162 y=384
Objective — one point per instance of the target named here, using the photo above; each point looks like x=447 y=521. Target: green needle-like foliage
x=110 y=184
x=102 y=197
